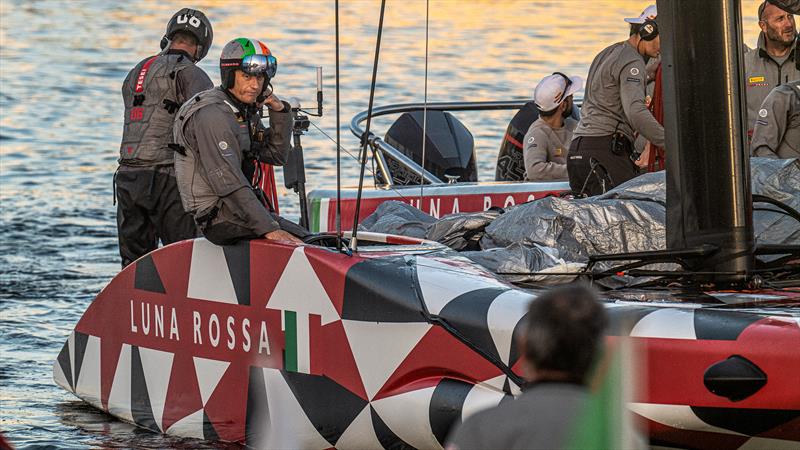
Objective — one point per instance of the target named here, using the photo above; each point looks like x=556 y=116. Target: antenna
x=424 y=108
x=338 y=144
x=365 y=138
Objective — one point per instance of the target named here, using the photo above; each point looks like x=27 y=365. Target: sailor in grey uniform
x=777 y=130
x=216 y=132
x=601 y=154
x=773 y=62
x=548 y=137
x=148 y=205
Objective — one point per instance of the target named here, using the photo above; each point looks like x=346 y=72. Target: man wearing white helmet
x=601 y=154
x=148 y=205
x=218 y=131
x=548 y=138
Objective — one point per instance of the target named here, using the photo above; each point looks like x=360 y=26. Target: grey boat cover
x=559 y=234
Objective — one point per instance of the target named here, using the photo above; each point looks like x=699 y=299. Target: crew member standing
x=777 y=130
x=601 y=154
x=548 y=138
x=148 y=204
x=216 y=131
x=773 y=62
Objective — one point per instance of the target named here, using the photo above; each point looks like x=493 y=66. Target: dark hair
x=563 y=331
x=635 y=28
x=185 y=37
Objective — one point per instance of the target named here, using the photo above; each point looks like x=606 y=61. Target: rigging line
x=338 y=145
x=425 y=106
x=365 y=137
x=393 y=189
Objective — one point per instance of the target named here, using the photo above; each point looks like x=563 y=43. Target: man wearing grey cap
x=548 y=138
x=217 y=131
x=774 y=61
x=601 y=154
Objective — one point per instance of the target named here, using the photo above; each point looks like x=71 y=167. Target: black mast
x=708 y=169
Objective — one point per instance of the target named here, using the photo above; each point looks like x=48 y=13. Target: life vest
x=151 y=101
x=510 y=162
x=195 y=195
x=656 y=159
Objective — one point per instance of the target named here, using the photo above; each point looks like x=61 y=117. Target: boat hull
x=276 y=346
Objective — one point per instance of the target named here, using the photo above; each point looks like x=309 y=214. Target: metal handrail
x=382 y=147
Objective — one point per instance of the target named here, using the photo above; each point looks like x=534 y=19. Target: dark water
x=60 y=125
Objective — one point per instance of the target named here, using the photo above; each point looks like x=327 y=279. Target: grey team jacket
x=153 y=91
x=615 y=97
x=762 y=75
x=545 y=150
x=214 y=134
x=777 y=130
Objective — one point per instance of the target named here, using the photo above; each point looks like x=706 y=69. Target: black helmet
x=192 y=21
x=248 y=55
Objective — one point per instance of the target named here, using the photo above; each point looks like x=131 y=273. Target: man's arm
x=190 y=81
x=275 y=146
x=220 y=158
x=771 y=123
x=535 y=154
x=632 y=93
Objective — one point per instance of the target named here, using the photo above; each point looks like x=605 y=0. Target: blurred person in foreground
x=777 y=130
x=217 y=132
x=560 y=340
x=148 y=204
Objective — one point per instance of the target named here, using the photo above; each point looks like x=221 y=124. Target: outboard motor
x=510 y=164
x=449 y=147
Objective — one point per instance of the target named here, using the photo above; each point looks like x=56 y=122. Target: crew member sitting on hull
x=777 y=131
x=773 y=62
x=548 y=138
x=148 y=204
x=215 y=133
x=601 y=154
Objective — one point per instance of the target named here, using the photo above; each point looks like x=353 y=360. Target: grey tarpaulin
x=778 y=179
x=395 y=217
x=462 y=231
x=517 y=263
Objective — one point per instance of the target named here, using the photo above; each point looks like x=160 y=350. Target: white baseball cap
x=649 y=13
x=553 y=89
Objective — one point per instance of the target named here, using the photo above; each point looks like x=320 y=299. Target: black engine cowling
x=449 y=147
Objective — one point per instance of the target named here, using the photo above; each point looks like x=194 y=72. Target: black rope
x=365 y=136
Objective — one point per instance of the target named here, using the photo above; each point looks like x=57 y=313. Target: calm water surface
x=60 y=124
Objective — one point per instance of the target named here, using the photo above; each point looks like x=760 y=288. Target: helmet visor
x=265 y=65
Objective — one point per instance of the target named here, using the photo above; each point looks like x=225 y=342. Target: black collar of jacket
x=175 y=51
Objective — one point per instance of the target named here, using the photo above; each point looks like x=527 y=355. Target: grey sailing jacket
x=615 y=97
x=214 y=135
x=762 y=75
x=777 y=130
x=545 y=150
x=153 y=91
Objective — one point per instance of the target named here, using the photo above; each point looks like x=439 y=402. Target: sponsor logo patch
x=761 y=122
x=762 y=113
x=755 y=80
x=634 y=71
x=634 y=80
x=223 y=145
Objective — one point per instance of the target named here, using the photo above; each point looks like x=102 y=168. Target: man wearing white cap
x=601 y=154
x=548 y=138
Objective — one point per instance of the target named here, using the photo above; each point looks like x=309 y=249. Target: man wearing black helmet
x=148 y=204
x=218 y=131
